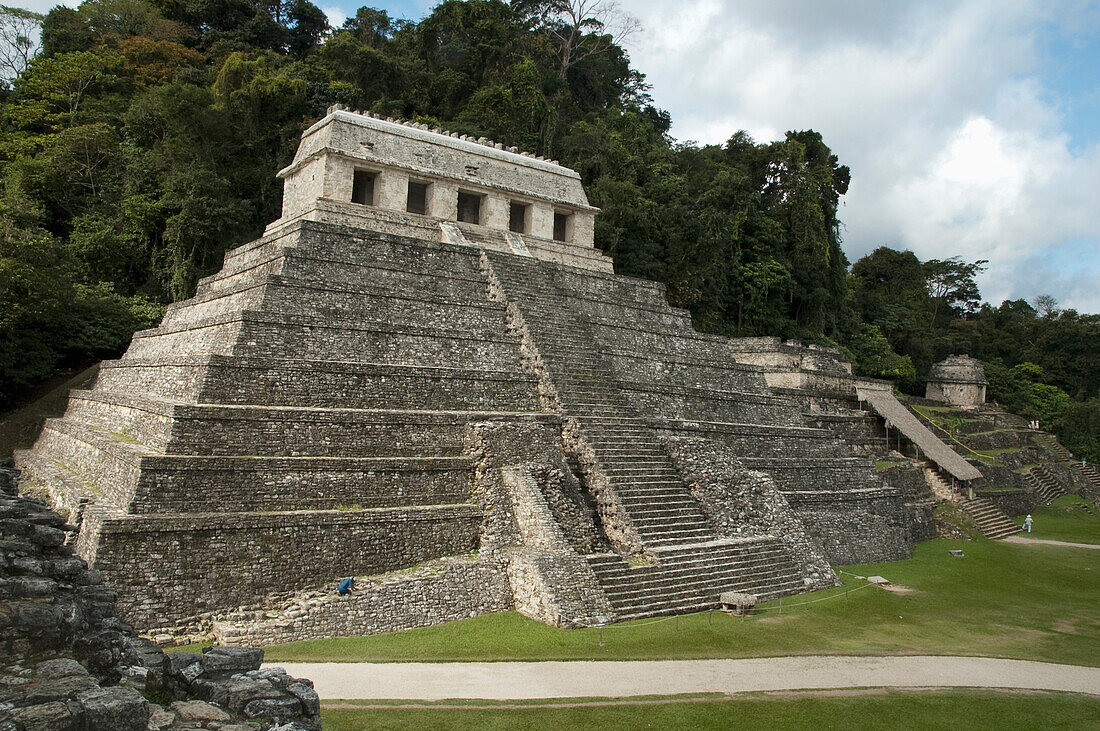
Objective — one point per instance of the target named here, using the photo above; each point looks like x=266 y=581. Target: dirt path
x=532 y=680
x=643 y=701
x=1065 y=544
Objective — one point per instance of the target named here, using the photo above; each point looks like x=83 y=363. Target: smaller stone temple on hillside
x=957 y=380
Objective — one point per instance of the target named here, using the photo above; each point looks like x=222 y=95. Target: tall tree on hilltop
x=952 y=287
x=578 y=28
x=19 y=40
x=802 y=188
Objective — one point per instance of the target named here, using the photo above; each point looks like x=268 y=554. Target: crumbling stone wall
x=919 y=502
x=209 y=561
x=68 y=663
x=860 y=530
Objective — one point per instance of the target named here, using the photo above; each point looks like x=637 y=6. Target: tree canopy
x=140 y=141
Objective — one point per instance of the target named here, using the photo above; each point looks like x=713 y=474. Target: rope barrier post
x=780 y=606
x=677 y=622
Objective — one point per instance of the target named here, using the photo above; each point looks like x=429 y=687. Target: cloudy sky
x=972 y=127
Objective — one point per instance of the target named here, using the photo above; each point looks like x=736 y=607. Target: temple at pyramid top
x=359 y=170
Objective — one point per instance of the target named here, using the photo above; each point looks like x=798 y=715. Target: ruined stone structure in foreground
x=425 y=376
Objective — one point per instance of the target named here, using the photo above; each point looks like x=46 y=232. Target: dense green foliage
x=141 y=142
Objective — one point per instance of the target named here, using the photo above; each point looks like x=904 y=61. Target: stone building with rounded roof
x=958 y=380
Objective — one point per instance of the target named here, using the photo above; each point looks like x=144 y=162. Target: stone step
x=672 y=512
x=650 y=491
x=581 y=400
x=651 y=467
x=692 y=562
x=640 y=447
x=990 y=519
x=656 y=529
x=671 y=523
x=763 y=592
x=635 y=592
x=647 y=484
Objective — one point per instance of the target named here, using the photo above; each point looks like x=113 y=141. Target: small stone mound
x=68 y=662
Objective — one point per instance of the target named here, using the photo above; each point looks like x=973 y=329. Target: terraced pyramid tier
x=343 y=401
x=302 y=418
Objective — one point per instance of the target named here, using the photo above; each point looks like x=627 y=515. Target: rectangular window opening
x=563 y=226
x=362 y=188
x=517 y=217
x=469 y=207
x=418 y=198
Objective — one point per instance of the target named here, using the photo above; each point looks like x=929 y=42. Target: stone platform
x=360 y=395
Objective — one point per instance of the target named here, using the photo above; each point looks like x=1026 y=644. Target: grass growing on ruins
x=894 y=709
x=1000 y=600
x=1066 y=519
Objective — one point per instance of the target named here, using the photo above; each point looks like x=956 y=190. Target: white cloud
x=335 y=15
x=938 y=107
x=43 y=6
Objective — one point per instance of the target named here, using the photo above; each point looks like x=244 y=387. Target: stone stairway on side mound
x=1052 y=445
x=1040 y=480
x=681 y=563
x=991 y=520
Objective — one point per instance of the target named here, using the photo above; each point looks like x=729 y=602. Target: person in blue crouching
x=345 y=587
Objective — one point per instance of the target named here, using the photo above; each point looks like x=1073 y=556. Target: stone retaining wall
x=438 y=591
x=170 y=567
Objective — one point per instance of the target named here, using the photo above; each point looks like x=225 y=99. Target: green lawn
x=885 y=710
x=1066 y=520
x=1001 y=600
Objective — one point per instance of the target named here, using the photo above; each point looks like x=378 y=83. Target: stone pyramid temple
x=425 y=376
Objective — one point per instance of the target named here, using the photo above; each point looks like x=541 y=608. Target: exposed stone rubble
x=68 y=662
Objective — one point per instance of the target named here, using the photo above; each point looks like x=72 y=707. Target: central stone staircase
x=657 y=502
x=682 y=563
